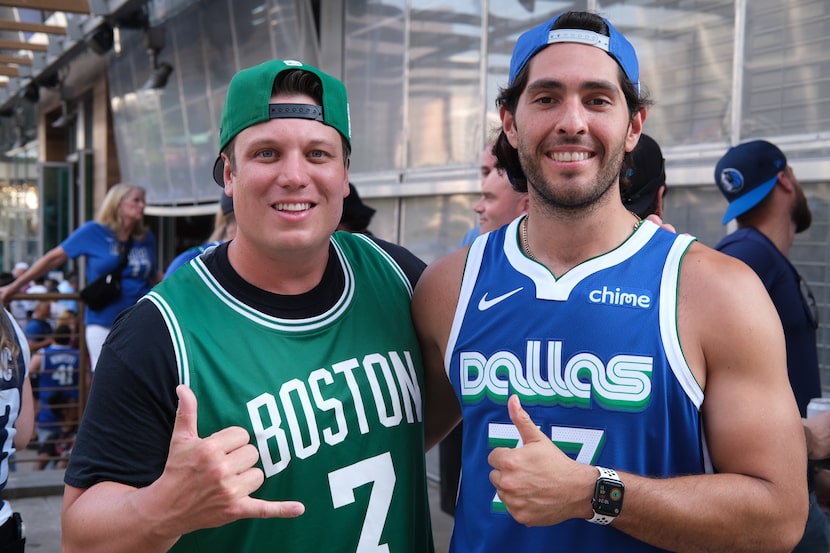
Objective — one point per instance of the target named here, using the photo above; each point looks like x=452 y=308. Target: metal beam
x=9 y=71
x=72 y=6
x=22 y=26
x=18 y=45
x=79 y=26
x=15 y=60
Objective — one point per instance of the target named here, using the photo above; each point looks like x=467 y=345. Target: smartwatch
x=608 y=497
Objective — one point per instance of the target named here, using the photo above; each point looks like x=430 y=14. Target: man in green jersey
x=266 y=396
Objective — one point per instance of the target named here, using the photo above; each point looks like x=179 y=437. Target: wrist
x=158 y=527
x=607 y=501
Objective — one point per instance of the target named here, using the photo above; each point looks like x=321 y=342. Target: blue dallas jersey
x=595 y=358
x=60 y=366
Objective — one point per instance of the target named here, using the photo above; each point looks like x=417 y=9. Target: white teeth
x=293 y=207
x=570 y=156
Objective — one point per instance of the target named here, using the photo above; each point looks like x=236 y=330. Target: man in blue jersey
x=499 y=202
x=622 y=388
x=57 y=366
x=266 y=396
x=768 y=204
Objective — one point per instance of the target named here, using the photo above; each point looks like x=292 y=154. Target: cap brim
x=219 y=171
x=741 y=205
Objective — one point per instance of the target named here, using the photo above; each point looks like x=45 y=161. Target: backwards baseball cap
x=537 y=38
x=746 y=174
x=248 y=102
x=646 y=173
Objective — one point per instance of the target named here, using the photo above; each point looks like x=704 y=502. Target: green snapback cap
x=248 y=102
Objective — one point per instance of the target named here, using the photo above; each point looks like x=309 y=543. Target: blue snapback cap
x=746 y=174
x=537 y=38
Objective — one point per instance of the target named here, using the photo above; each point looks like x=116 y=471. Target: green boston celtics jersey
x=332 y=402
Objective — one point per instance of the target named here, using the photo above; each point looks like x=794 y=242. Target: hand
x=538 y=483
x=5 y=295
x=659 y=221
x=817 y=432
x=208 y=481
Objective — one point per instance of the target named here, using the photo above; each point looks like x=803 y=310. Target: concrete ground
x=38 y=497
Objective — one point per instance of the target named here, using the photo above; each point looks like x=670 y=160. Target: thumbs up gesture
x=536 y=481
x=207 y=482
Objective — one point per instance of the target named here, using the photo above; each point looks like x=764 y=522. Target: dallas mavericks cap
x=247 y=103
x=537 y=38
x=646 y=173
x=746 y=174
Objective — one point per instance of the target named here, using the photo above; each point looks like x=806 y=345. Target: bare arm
x=37 y=345
x=433 y=306
x=757 y=500
x=25 y=423
x=206 y=483
x=34 y=365
x=50 y=260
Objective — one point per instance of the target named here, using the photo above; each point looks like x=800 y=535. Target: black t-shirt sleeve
x=411 y=264
x=125 y=432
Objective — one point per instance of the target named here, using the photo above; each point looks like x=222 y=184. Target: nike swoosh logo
x=486 y=304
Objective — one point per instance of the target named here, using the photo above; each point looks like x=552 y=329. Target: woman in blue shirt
x=119 y=219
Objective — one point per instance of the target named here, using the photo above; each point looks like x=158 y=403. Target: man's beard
x=801 y=214
x=572 y=201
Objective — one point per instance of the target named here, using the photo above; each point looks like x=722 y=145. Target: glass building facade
x=423 y=76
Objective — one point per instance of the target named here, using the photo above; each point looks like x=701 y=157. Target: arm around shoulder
x=433 y=310
x=25 y=423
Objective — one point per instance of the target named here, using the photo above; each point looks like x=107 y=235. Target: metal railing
x=53 y=440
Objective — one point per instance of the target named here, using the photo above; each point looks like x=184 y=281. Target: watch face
x=608 y=497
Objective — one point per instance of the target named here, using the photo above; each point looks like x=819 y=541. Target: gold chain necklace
x=637 y=217
x=526 y=244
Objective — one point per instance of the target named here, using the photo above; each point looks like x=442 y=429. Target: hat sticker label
x=731 y=180
x=293 y=63
x=581 y=36
x=295 y=111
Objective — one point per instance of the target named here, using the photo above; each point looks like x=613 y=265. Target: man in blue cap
x=768 y=204
x=612 y=391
